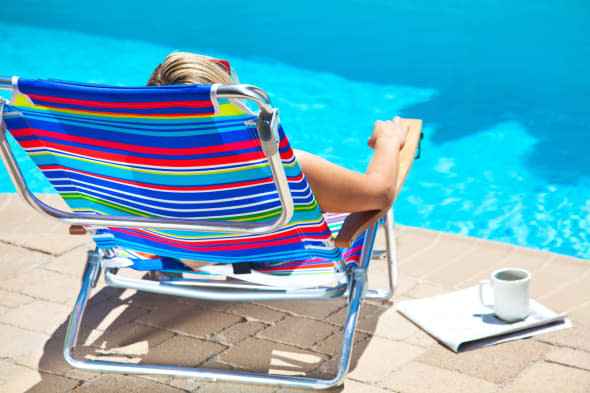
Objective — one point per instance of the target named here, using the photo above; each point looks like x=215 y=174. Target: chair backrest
x=166 y=151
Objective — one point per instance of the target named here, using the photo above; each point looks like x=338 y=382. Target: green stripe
x=256 y=217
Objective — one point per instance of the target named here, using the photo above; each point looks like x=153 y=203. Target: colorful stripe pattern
x=324 y=271
x=170 y=151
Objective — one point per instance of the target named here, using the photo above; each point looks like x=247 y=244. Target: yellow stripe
x=21 y=100
x=105 y=203
x=229 y=109
x=226 y=109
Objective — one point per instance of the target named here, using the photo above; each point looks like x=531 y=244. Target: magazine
x=459 y=321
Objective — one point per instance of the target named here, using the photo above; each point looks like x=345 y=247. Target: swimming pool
x=506 y=124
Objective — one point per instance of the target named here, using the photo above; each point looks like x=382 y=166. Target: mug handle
x=482 y=285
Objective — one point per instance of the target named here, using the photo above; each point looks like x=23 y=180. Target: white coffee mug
x=511 y=294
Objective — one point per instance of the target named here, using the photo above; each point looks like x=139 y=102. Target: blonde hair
x=183 y=68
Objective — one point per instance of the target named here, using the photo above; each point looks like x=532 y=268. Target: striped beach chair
x=164 y=175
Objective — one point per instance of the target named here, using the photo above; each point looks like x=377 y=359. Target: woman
x=336 y=189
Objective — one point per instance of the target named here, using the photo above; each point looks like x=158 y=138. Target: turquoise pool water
x=502 y=94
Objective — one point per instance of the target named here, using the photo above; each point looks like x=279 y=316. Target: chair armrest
x=356 y=223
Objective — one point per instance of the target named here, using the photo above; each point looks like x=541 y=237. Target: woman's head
x=183 y=68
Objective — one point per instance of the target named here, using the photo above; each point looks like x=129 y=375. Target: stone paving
x=41 y=266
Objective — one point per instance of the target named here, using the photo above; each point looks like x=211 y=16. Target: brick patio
x=41 y=266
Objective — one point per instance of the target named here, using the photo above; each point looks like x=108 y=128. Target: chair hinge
x=268 y=131
x=94 y=257
x=357 y=276
x=274 y=125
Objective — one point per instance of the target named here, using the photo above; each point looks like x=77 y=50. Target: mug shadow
x=289 y=338
x=491 y=319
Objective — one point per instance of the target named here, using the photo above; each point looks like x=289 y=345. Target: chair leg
x=356 y=295
x=89 y=280
x=386 y=294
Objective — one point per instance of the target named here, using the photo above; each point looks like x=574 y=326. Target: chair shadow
x=140 y=327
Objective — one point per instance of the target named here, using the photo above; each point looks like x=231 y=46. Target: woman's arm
x=338 y=189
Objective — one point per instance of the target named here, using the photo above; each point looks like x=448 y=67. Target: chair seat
x=288 y=274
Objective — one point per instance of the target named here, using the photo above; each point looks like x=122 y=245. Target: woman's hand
x=338 y=189
x=391 y=132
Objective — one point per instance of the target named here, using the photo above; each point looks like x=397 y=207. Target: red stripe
x=126 y=159
x=283 y=143
x=297 y=178
x=164 y=115
x=131 y=105
x=161 y=187
x=312 y=232
x=285 y=154
x=232 y=247
x=261 y=240
x=352 y=254
x=25 y=132
x=170 y=188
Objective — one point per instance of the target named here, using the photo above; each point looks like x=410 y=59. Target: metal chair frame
x=355 y=289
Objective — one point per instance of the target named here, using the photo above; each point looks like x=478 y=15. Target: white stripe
x=176 y=210
x=143 y=197
x=198 y=239
x=243 y=165
x=149 y=186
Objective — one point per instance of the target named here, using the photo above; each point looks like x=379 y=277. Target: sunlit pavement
x=41 y=266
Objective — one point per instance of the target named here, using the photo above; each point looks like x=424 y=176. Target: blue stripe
x=115 y=93
x=298 y=189
x=212 y=135
x=163 y=144
x=132 y=111
x=46 y=157
x=212 y=210
x=129 y=123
